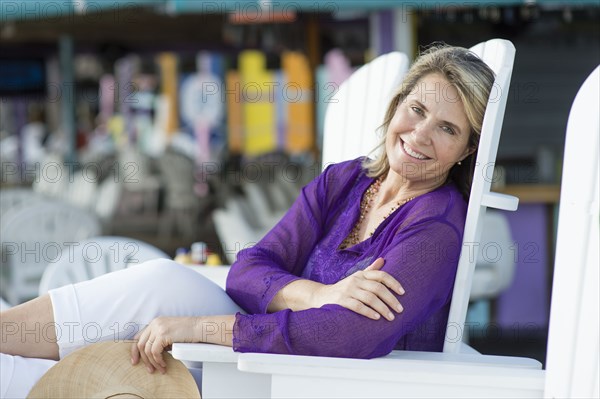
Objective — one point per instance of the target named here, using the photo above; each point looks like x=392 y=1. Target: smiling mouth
x=412 y=153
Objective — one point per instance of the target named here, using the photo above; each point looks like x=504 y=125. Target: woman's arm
x=425 y=261
x=367 y=292
x=163 y=332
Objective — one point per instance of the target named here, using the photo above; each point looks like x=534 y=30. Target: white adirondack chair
x=94 y=257
x=11 y=198
x=357 y=110
x=494 y=270
x=234 y=231
x=499 y=54
x=573 y=368
x=34 y=235
x=52 y=178
x=81 y=191
x=257 y=199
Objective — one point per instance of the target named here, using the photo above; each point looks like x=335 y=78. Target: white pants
x=116 y=306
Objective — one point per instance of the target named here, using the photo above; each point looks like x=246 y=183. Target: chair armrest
x=220 y=375
x=466 y=349
x=400 y=374
x=204 y=353
x=269 y=363
x=500 y=201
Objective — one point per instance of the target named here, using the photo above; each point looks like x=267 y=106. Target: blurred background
x=154 y=117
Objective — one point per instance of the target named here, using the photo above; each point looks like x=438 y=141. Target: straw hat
x=104 y=370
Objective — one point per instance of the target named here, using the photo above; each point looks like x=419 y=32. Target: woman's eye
x=448 y=130
x=417 y=110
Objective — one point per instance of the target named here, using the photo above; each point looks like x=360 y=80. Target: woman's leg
x=113 y=306
x=117 y=305
x=19 y=374
x=28 y=330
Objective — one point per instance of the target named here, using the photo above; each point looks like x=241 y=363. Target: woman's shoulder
x=339 y=182
x=349 y=166
x=444 y=203
x=344 y=173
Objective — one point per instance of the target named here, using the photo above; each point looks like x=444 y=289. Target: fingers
x=135 y=353
x=358 y=307
x=385 y=279
x=376 y=265
x=139 y=350
x=154 y=350
x=374 y=302
x=384 y=295
x=149 y=349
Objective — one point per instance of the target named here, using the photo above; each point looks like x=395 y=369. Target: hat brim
x=104 y=370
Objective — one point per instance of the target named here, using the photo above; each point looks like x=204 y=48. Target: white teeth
x=412 y=153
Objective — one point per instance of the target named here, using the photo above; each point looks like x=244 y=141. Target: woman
x=326 y=280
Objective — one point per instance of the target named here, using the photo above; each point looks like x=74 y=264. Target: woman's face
x=429 y=132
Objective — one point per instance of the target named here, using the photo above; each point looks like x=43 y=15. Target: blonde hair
x=473 y=80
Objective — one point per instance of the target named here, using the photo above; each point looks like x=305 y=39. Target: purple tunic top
x=420 y=242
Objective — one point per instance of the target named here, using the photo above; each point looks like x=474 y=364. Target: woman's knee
x=160 y=272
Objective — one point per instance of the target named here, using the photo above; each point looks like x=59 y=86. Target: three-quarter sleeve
x=423 y=258
x=280 y=257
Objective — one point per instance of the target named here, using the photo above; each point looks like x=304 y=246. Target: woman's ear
x=468 y=151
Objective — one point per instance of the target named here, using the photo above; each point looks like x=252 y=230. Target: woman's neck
x=396 y=188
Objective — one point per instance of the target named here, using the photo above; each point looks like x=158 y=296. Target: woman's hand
x=367 y=292
x=158 y=336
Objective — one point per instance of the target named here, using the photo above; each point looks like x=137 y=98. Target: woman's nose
x=422 y=133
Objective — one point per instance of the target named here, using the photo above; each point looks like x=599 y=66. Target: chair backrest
x=107 y=199
x=499 y=55
x=177 y=172
x=34 y=235
x=52 y=221
x=94 y=257
x=573 y=340
x=494 y=270
x=81 y=191
x=11 y=198
x=234 y=231
x=52 y=178
x=350 y=134
x=356 y=111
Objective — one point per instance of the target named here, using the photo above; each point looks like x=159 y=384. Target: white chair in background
x=34 y=235
x=94 y=257
x=234 y=231
x=11 y=198
x=138 y=179
x=257 y=199
x=52 y=178
x=182 y=206
x=573 y=368
x=81 y=191
x=107 y=201
x=356 y=111
x=495 y=264
x=573 y=356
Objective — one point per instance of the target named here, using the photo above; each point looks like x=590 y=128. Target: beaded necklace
x=365 y=206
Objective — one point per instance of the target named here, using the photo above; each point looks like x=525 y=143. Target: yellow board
x=298 y=98
x=258 y=108
x=168 y=72
x=235 y=127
